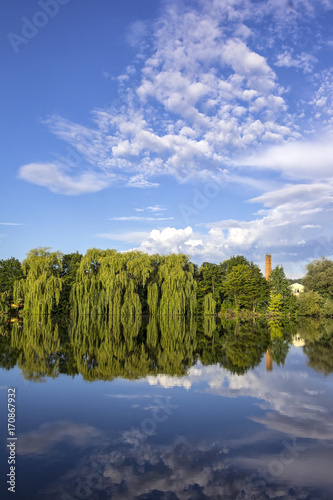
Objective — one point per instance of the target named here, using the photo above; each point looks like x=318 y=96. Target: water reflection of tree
x=130 y=346
x=280 y=338
x=236 y=346
x=106 y=349
x=177 y=345
x=39 y=343
x=318 y=336
x=8 y=353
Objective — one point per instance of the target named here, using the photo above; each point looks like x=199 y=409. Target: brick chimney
x=268 y=265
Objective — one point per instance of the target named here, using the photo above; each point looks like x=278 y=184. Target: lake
x=169 y=409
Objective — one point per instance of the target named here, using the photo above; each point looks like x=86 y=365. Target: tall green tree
x=319 y=277
x=210 y=282
x=10 y=271
x=280 y=286
x=310 y=304
x=70 y=264
x=247 y=286
x=177 y=285
x=227 y=265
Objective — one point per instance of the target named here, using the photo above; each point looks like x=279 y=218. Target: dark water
x=168 y=410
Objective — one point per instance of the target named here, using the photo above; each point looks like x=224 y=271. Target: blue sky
x=196 y=126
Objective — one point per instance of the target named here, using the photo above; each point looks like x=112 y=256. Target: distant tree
x=10 y=271
x=210 y=281
x=328 y=307
x=275 y=303
x=70 y=264
x=279 y=285
x=309 y=303
x=246 y=284
x=228 y=264
x=319 y=277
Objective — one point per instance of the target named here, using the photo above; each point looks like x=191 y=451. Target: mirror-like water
x=168 y=409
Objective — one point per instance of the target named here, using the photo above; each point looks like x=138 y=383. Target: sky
x=203 y=127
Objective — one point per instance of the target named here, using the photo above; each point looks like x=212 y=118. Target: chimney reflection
x=269 y=361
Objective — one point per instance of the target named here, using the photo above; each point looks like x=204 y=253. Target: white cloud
x=202 y=91
x=58 y=180
x=10 y=224
x=302 y=61
x=296 y=160
x=292 y=227
x=170 y=240
x=137 y=218
x=156 y=208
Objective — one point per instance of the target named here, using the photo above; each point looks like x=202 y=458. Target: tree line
x=129 y=284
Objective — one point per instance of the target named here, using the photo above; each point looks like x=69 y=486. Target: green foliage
x=10 y=271
x=38 y=341
x=210 y=281
x=275 y=303
x=227 y=265
x=41 y=288
x=70 y=264
x=243 y=347
x=209 y=305
x=246 y=284
x=103 y=348
x=177 y=285
x=111 y=283
x=319 y=277
x=318 y=336
x=280 y=285
x=280 y=342
x=309 y=304
x=328 y=307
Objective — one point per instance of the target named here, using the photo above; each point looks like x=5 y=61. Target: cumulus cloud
x=206 y=99
x=170 y=240
x=292 y=227
x=202 y=91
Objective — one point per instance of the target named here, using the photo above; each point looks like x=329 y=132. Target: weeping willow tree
x=41 y=286
x=38 y=341
x=111 y=283
x=177 y=286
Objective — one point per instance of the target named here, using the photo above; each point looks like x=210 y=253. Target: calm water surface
x=176 y=411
